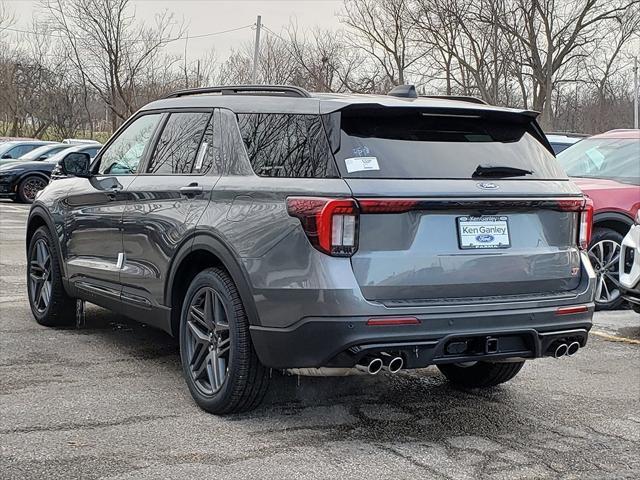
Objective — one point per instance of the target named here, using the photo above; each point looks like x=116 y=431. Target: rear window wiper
x=499 y=171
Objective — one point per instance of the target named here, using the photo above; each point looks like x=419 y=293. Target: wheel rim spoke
x=605 y=256
x=208 y=341
x=39 y=276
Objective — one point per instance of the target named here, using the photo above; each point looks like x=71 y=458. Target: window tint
x=410 y=143
x=124 y=154
x=17 y=152
x=208 y=156
x=178 y=145
x=282 y=145
x=92 y=151
x=53 y=151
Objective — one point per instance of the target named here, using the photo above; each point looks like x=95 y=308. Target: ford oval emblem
x=486 y=238
x=487 y=186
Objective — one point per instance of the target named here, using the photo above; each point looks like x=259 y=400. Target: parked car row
x=21 y=179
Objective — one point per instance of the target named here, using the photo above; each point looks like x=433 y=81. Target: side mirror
x=76 y=164
x=6 y=155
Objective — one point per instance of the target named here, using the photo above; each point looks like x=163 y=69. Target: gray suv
x=271 y=228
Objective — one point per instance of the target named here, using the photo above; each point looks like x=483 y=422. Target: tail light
x=586 y=224
x=330 y=224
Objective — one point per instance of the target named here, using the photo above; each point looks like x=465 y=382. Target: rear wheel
x=219 y=363
x=480 y=374
x=29 y=187
x=50 y=304
x=604 y=253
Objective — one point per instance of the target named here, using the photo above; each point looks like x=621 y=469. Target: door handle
x=191 y=190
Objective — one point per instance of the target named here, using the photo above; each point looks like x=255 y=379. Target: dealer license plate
x=483 y=232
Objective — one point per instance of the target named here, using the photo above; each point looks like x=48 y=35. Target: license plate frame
x=483 y=232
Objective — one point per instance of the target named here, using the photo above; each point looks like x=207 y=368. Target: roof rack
x=460 y=98
x=275 y=90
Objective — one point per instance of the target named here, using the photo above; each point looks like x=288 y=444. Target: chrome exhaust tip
x=391 y=363
x=561 y=350
x=573 y=349
x=371 y=365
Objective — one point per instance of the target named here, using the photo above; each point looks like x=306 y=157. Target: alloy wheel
x=207 y=341
x=604 y=256
x=32 y=186
x=40 y=276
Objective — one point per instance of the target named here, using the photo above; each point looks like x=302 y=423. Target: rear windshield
x=414 y=144
x=609 y=158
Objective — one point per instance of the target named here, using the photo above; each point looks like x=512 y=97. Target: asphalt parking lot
x=108 y=401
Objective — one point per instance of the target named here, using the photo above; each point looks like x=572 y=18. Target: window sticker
x=361 y=164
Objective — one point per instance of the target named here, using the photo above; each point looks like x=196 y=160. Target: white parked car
x=630 y=265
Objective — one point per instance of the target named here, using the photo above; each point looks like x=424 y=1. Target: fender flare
x=228 y=259
x=42 y=213
x=613 y=217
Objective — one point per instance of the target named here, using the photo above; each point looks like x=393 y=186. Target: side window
x=53 y=151
x=208 y=158
x=179 y=143
x=92 y=151
x=17 y=152
x=283 y=145
x=124 y=154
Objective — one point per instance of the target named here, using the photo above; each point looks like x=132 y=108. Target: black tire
x=606 y=237
x=29 y=186
x=44 y=279
x=224 y=340
x=635 y=307
x=480 y=374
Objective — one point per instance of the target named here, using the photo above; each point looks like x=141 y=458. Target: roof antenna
x=404 y=91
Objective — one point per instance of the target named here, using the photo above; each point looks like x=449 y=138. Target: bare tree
x=556 y=34
x=384 y=31
x=110 y=49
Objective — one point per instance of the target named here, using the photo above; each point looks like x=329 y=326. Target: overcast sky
x=206 y=16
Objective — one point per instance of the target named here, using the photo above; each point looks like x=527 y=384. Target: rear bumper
x=343 y=341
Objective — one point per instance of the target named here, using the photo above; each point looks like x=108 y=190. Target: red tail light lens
x=330 y=224
x=586 y=224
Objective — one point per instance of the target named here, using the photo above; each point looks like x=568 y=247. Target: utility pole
x=636 y=93
x=256 y=51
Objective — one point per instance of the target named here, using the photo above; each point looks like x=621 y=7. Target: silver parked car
x=271 y=228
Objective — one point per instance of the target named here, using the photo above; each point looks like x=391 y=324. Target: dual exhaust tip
x=372 y=365
x=566 y=349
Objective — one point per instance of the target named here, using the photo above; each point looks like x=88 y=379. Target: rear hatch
x=457 y=206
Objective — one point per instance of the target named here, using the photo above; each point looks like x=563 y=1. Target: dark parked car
x=268 y=227
x=607 y=168
x=560 y=141
x=41 y=153
x=22 y=180
x=10 y=151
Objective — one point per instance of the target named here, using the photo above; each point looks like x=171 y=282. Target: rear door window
x=414 y=144
x=178 y=145
x=287 y=145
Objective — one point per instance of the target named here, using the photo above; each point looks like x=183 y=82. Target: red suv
x=607 y=168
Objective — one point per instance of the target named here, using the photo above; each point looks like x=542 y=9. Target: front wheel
x=220 y=365
x=480 y=374
x=29 y=188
